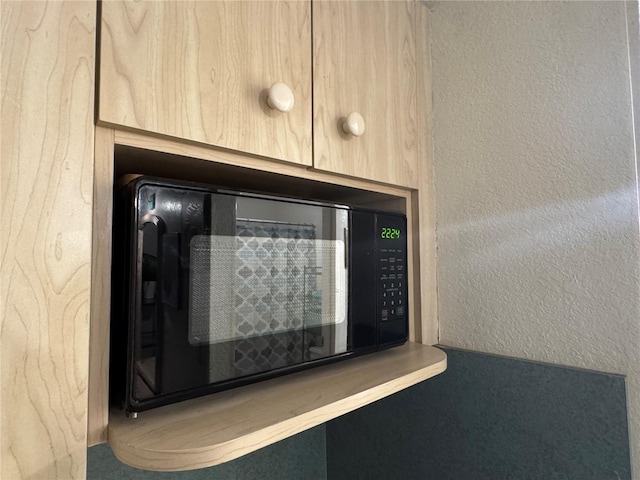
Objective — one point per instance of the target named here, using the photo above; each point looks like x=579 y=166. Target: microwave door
x=243 y=286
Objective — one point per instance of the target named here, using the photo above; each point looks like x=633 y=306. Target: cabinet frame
x=167 y=157
x=417 y=203
x=48 y=79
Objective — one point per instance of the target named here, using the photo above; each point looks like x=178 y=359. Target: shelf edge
x=133 y=450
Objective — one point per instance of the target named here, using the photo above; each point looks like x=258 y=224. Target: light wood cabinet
x=200 y=71
x=364 y=61
x=47 y=173
x=185 y=82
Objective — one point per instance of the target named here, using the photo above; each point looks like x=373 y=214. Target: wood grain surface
x=98 y=414
x=200 y=70
x=365 y=61
x=47 y=167
x=223 y=426
x=424 y=200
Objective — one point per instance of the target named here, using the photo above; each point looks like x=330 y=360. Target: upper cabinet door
x=203 y=71
x=365 y=75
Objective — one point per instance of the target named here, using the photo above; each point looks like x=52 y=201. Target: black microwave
x=213 y=288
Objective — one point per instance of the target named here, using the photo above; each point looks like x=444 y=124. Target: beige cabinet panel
x=48 y=58
x=200 y=71
x=365 y=61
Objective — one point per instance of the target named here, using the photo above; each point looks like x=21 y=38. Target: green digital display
x=388 y=232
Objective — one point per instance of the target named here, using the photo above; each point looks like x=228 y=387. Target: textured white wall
x=536 y=189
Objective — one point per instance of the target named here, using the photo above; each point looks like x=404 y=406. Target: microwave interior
x=214 y=289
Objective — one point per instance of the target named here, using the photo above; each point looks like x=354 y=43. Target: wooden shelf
x=217 y=428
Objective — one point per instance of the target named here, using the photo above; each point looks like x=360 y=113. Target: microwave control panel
x=391 y=267
x=391 y=285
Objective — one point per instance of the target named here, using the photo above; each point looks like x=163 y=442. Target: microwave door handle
x=150 y=218
x=159 y=230
x=153 y=379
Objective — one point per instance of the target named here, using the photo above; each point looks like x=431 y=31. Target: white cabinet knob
x=280 y=97
x=354 y=124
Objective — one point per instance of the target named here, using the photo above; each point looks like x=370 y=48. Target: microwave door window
x=273 y=294
x=247 y=299
x=269 y=285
